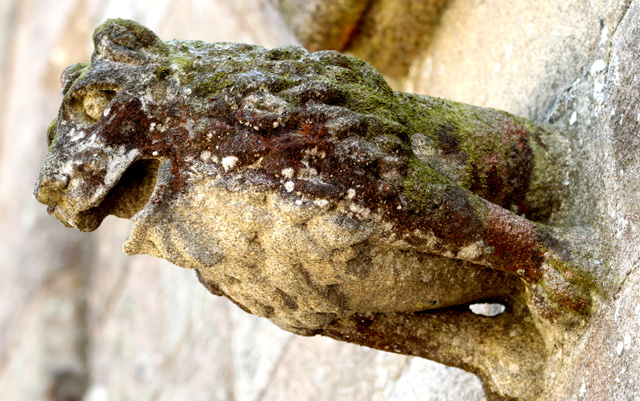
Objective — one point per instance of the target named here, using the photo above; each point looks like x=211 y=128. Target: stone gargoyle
x=305 y=190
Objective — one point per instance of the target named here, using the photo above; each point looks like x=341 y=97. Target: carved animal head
x=248 y=112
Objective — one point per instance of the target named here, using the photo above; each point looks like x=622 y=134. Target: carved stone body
x=300 y=186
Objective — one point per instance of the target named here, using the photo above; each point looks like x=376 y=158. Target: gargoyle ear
x=126 y=41
x=70 y=74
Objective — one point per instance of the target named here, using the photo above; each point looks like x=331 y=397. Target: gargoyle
x=304 y=189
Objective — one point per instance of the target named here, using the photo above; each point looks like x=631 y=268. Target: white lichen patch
x=583 y=390
x=508 y=51
x=191 y=129
x=308 y=173
x=288 y=172
x=362 y=212
x=470 y=252
x=351 y=193
x=76 y=136
x=314 y=152
x=627 y=341
x=420 y=143
x=205 y=156
x=289 y=185
x=229 y=162
x=597 y=66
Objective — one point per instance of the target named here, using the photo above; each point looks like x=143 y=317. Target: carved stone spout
x=304 y=189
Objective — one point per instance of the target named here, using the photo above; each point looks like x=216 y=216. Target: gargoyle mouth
x=130 y=195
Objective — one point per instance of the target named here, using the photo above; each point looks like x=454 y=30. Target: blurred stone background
x=79 y=320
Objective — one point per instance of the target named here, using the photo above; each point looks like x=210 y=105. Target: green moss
x=73 y=73
x=211 y=84
x=424 y=186
x=559 y=265
x=281 y=84
x=578 y=276
x=129 y=34
x=162 y=71
x=481 y=149
x=391 y=144
x=183 y=63
x=286 y=53
x=52 y=132
x=84 y=72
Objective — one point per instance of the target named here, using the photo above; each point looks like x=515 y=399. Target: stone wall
x=78 y=317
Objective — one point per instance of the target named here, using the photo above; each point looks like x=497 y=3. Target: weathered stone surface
x=604 y=100
x=581 y=78
x=287 y=179
x=516 y=58
x=555 y=46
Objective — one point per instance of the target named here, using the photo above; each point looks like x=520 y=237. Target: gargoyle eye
x=95 y=102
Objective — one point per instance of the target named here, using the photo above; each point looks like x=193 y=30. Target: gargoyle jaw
x=133 y=190
x=130 y=195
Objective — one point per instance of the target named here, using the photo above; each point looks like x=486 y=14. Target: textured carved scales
x=300 y=186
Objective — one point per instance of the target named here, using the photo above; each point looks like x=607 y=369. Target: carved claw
x=506 y=351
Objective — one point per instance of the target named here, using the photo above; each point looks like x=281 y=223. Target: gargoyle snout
x=50 y=188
